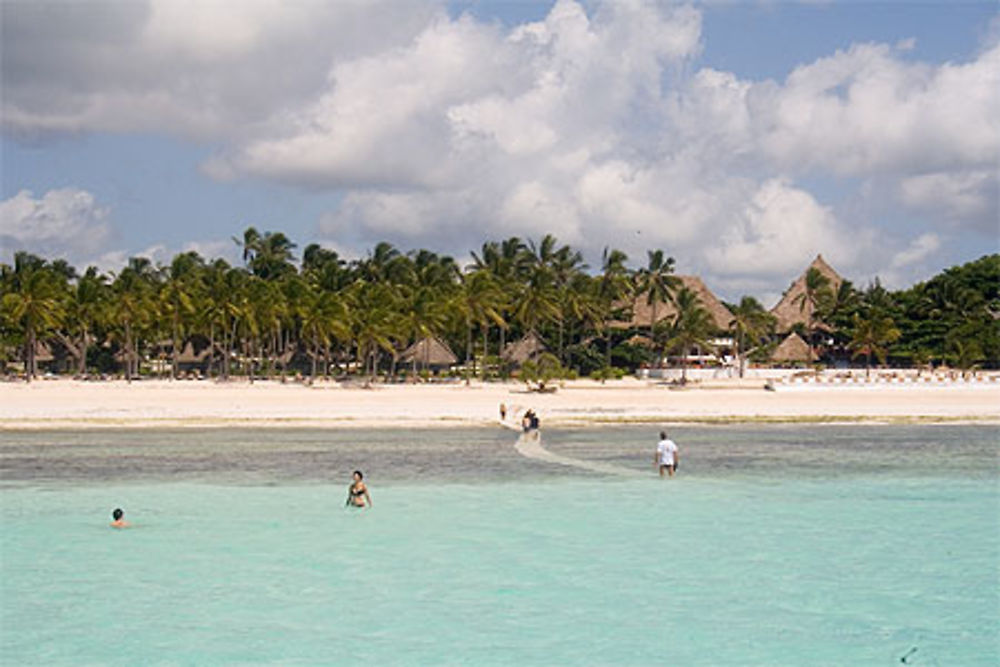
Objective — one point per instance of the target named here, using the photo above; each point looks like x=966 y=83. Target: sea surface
x=774 y=545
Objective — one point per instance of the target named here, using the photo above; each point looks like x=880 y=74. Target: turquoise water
x=774 y=545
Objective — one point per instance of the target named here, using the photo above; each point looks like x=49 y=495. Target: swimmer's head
x=117 y=515
x=358 y=476
x=663 y=435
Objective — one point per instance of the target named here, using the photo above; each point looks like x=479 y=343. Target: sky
x=742 y=138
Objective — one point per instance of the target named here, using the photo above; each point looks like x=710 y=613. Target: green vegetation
x=276 y=315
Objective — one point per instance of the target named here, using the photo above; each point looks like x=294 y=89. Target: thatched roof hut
x=642 y=312
x=790 y=310
x=188 y=354
x=43 y=352
x=793 y=348
x=523 y=350
x=429 y=351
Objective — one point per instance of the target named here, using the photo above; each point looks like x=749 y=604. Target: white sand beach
x=159 y=403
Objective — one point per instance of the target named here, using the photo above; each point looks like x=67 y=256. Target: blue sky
x=742 y=138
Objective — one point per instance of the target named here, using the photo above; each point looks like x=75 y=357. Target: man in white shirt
x=666 y=455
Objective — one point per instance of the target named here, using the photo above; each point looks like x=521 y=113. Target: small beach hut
x=526 y=349
x=430 y=352
x=792 y=349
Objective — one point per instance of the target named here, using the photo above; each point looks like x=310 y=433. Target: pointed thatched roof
x=43 y=352
x=789 y=312
x=521 y=351
x=793 y=348
x=642 y=312
x=431 y=351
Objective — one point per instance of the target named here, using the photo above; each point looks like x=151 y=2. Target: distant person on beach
x=119 y=519
x=357 y=492
x=503 y=412
x=666 y=457
x=530 y=422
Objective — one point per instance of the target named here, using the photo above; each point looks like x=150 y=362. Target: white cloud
x=211 y=69
x=70 y=224
x=864 y=111
x=779 y=227
x=921 y=247
x=65 y=223
x=592 y=123
x=961 y=196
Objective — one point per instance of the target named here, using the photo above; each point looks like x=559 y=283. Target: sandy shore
x=71 y=404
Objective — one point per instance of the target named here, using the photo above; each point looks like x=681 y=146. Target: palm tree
x=567 y=265
x=375 y=322
x=871 y=335
x=86 y=307
x=817 y=289
x=690 y=327
x=479 y=302
x=750 y=324
x=657 y=281
x=537 y=301
x=268 y=256
x=614 y=285
x=131 y=307
x=508 y=262
x=177 y=299
x=31 y=300
x=424 y=316
x=966 y=352
x=323 y=316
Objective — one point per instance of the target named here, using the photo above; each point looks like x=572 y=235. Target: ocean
x=774 y=544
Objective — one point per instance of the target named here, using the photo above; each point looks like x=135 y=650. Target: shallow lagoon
x=775 y=544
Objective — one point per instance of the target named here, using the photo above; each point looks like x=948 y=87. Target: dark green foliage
x=271 y=317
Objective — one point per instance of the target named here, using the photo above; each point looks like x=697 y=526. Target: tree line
x=278 y=313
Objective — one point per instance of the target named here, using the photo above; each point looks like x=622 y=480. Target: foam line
x=530 y=446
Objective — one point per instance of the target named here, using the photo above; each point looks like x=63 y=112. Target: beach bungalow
x=526 y=349
x=430 y=353
x=790 y=310
x=642 y=312
x=793 y=350
x=45 y=357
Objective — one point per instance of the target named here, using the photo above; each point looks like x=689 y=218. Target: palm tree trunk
x=128 y=351
x=486 y=349
x=739 y=354
x=315 y=355
x=84 y=344
x=29 y=356
x=562 y=331
x=176 y=335
x=503 y=341
x=211 y=348
x=652 y=336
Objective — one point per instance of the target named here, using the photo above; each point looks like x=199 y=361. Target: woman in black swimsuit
x=357 y=492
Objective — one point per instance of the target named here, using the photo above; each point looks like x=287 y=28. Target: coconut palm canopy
x=361 y=313
x=793 y=308
x=525 y=349
x=642 y=311
x=431 y=351
x=793 y=348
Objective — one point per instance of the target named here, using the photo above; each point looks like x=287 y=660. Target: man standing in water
x=666 y=456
